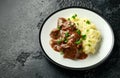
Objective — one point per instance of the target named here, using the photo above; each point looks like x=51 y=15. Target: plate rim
x=72 y=68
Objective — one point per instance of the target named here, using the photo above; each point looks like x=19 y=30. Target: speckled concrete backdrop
x=20 y=54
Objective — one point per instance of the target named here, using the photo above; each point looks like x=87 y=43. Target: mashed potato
x=89 y=30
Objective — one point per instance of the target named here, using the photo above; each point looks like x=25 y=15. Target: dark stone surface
x=20 y=53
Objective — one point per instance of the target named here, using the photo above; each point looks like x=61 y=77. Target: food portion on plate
x=75 y=37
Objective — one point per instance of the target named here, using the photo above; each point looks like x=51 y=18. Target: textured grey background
x=20 y=53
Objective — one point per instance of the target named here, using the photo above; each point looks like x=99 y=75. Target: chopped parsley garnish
x=74 y=16
x=59 y=27
x=69 y=19
x=87 y=30
x=65 y=40
x=59 y=41
x=67 y=34
x=89 y=41
x=89 y=45
x=87 y=22
x=83 y=37
x=79 y=41
x=78 y=31
x=77 y=23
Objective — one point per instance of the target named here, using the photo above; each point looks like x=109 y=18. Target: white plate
x=92 y=60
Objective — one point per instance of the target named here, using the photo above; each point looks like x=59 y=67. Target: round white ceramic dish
x=92 y=60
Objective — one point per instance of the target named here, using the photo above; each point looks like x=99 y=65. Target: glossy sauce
x=66 y=38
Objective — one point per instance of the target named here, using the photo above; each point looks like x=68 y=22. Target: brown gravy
x=66 y=38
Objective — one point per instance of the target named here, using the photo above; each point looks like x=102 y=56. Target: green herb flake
x=89 y=45
x=65 y=40
x=79 y=41
x=61 y=53
x=77 y=23
x=83 y=37
x=59 y=27
x=67 y=34
x=69 y=19
x=59 y=41
x=74 y=16
x=62 y=39
x=87 y=22
x=89 y=41
x=78 y=31
x=87 y=30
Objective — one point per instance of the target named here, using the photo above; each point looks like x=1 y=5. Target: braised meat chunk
x=66 y=38
x=55 y=33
